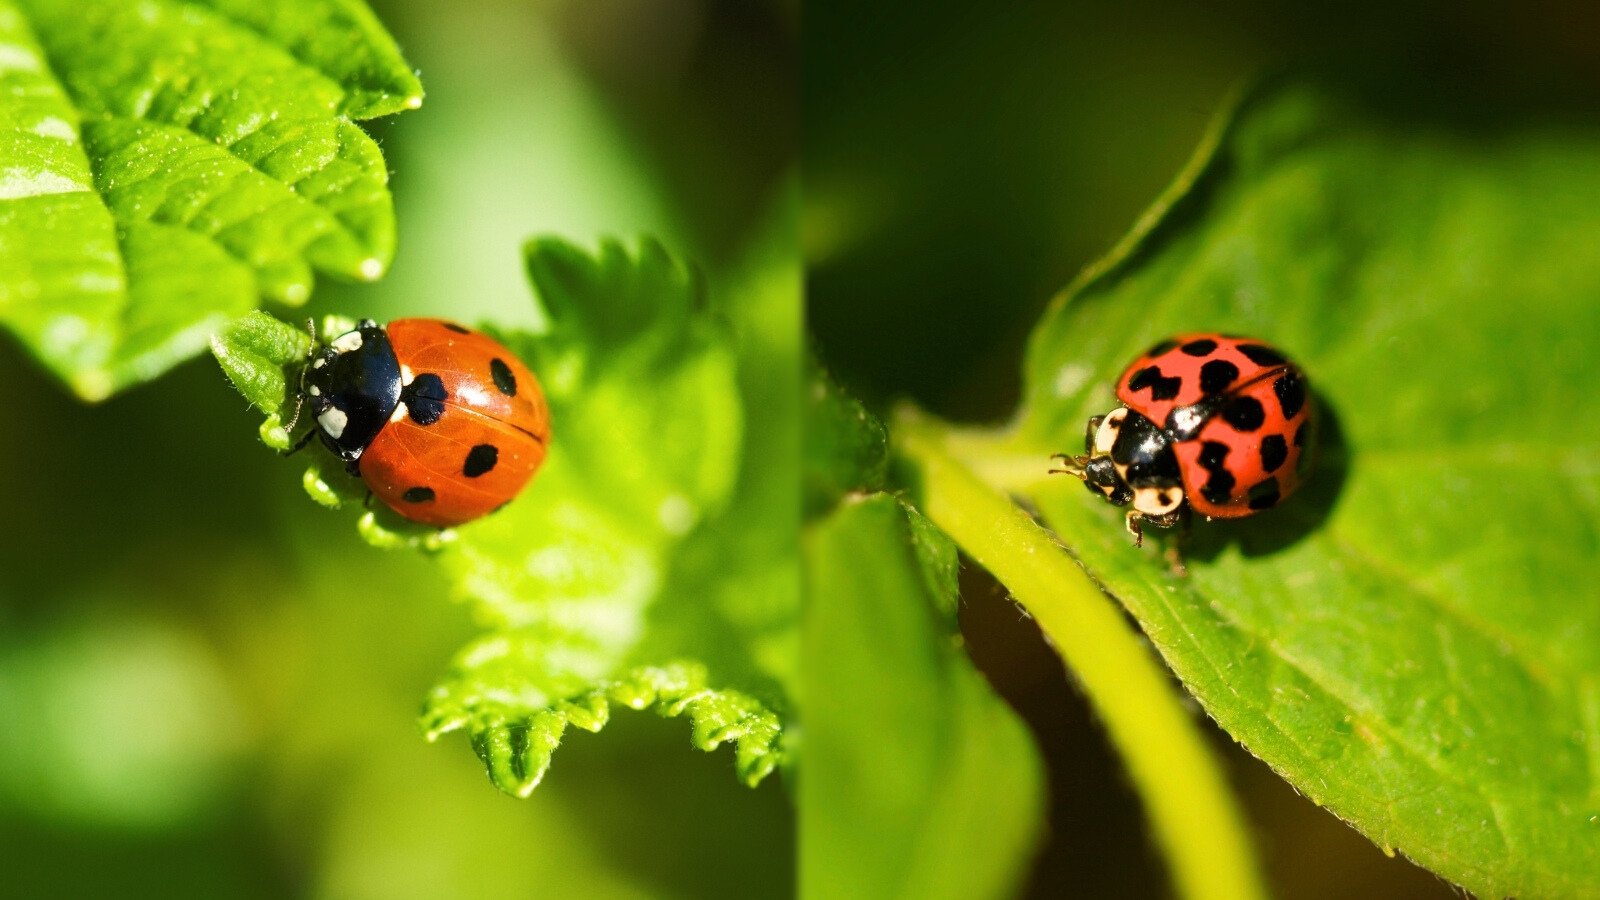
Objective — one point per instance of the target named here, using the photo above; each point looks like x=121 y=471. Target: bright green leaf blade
x=515 y=694
x=343 y=40
x=1409 y=641
x=254 y=352
x=167 y=165
x=652 y=560
x=919 y=781
x=610 y=580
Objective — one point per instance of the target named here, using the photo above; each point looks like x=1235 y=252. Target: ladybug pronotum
x=444 y=424
x=1215 y=423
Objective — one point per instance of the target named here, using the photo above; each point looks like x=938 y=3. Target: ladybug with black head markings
x=444 y=424
x=1218 y=424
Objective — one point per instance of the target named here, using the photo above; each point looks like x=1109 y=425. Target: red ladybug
x=443 y=424
x=1209 y=421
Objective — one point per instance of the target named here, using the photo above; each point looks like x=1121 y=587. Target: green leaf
x=847 y=448
x=919 y=781
x=254 y=352
x=515 y=695
x=166 y=165
x=1407 y=641
x=648 y=564
x=652 y=560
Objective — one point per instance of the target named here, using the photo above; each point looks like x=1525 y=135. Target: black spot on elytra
x=1202 y=347
x=1160 y=348
x=1264 y=495
x=424 y=398
x=456 y=328
x=1274 y=450
x=503 y=379
x=1291 y=391
x=1262 y=356
x=417 y=495
x=1216 y=375
x=1244 y=413
x=1161 y=387
x=1214 y=459
x=480 y=459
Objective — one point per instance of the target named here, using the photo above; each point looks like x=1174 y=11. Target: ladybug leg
x=1088 y=433
x=1174 y=551
x=301 y=444
x=1133 y=520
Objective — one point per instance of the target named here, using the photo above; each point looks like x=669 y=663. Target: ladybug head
x=352 y=386
x=1100 y=474
x=1128 y=459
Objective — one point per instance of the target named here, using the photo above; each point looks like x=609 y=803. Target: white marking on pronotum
x=1105 y=437
x=333 y=421
x=1156 y=501
x=348 y=342
x=314 y=390
x=399 y=412
x=405 y=375
x=318 y=363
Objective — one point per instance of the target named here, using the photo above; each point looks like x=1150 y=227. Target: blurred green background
x=964 y=161
x=209 y=685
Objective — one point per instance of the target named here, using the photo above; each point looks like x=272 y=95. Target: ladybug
x=444 y=424
x=1210 y=422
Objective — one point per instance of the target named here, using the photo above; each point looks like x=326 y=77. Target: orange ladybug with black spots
x=443 y=423
x=1218 y=424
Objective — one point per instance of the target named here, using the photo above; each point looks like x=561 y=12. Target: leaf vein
x=1439 y=602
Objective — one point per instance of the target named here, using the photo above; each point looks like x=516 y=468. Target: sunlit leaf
x=651 y=561
x=165 y=166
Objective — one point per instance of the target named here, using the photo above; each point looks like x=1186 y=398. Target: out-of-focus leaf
x=166 y=165
x=919 y=781
x=847 y=448
x=1408 y=641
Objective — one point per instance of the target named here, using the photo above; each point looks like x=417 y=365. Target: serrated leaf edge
x=516 y=751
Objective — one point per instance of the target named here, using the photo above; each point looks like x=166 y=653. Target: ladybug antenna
x=300 y=395
x=1070 y=465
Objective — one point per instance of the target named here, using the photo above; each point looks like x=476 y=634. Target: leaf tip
x=317 y=487
x=93 y=385
x=273 y=434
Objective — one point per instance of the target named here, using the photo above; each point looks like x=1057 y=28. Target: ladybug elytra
x=444 y=424
x=1209 y=422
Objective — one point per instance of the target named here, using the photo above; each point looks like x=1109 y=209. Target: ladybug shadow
x=1302 y=514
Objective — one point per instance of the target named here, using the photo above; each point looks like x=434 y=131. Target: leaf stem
x=1196 y=821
